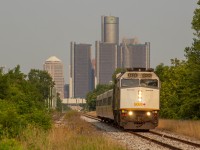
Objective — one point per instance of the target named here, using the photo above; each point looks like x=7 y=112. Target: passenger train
x=134 y=102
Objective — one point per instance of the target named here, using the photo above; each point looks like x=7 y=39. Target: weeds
x=73 y=134
x=184 y=127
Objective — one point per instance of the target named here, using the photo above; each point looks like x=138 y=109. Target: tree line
x=23 y=101
x=180 y=91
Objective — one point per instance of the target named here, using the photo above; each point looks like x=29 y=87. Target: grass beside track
x=74 y=134
x=184 y=127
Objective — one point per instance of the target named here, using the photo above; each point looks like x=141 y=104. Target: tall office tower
x=106 y=62
x=110 y=29
x=54 y=67
x=135 y=55
x=107 y=52
x=80 y=70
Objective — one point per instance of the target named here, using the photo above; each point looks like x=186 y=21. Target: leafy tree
x=42 y=80
x=193 y=62
x=118 y=70
x=180 y=90
x=101 y=88
x=193 y=53
x=40 y=118
x=11 y=124
x=59 y=104
x=92 y=96
x=174 y=87
x=4 y=87
x=22 y=102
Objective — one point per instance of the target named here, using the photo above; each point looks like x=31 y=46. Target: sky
x=33 y=30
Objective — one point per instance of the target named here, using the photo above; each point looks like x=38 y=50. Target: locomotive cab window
x=130 y=82
x=149 y=82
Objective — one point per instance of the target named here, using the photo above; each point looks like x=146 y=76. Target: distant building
x=80 y=70
x=106 y=62
x=107 y=54
x=135 y=55
x=54 y=67
x=110 y=29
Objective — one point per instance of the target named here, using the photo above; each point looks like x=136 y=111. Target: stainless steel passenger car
x=134 y=102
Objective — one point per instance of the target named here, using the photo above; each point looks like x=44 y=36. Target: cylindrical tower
x=110 y=29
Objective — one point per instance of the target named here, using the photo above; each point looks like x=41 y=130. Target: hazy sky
x=33 y=30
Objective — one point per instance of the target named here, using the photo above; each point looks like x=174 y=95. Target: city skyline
x=31 y=31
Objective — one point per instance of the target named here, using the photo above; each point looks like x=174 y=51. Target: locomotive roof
x=133 y=73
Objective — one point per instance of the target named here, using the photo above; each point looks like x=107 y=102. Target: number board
x=143 y=75
x=139 y=104
x=132 y=75
x=146 y=75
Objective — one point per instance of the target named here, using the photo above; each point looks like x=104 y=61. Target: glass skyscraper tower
x=80 y=70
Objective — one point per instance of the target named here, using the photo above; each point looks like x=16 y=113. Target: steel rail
x=155 y=141
x=92 y=117
x=176 y=139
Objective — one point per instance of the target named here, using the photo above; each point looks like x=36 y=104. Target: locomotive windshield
x=142 y=82
x=149 y=82
x=130 y=82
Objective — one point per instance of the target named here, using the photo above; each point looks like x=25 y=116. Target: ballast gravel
x=128 y=140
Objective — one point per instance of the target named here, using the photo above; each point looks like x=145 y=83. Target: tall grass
x=74 y=134
x=185 y=127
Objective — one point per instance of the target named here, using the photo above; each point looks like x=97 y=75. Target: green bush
x=40 y=118
x=11 y=123
x=10 y=144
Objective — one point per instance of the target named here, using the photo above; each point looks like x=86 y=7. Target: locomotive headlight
x=130 y=113
x=140 y=95
x=148 y=113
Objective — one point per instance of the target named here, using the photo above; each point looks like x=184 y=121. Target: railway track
x=92 y=117
x=156 y=141
x=176 y=139
x=161 y=139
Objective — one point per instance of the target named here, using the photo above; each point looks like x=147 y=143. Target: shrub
x=10 y=144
